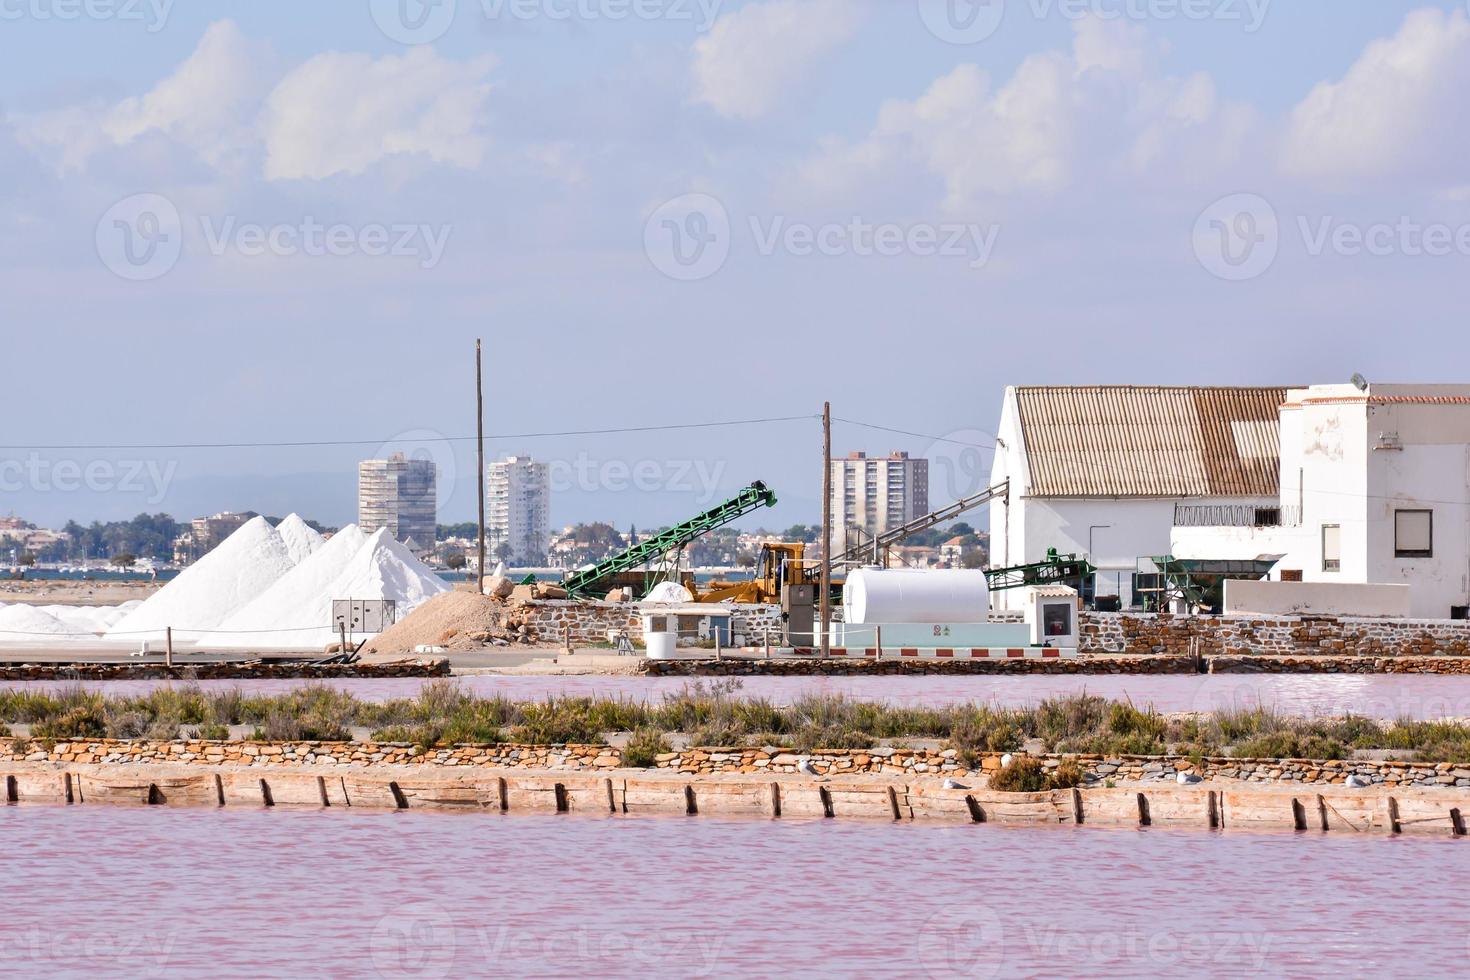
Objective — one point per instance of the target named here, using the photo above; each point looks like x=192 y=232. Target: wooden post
x=878 y=640
x=168 y=646
x=719 y=642
x=480 y=468
x=826 y=596
x=342 y=633
x=566 y=634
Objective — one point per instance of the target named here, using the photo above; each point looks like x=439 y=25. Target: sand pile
x=206 y=593
x=453 y=620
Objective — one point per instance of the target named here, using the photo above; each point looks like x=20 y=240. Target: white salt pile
x=206 y=593
x=22 y=624
x=380 y=568
x=297 y=610
x=91 y=619
x=301 y=540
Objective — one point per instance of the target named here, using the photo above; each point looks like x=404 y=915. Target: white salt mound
x=298 y=601
x=206 y=593
x=91 y=619
x=301 y=540
x=380 y=568
x=22 y=623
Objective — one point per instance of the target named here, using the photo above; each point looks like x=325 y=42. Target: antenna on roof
x=1360 y=382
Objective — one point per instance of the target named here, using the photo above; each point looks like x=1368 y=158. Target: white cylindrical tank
x=904 y=595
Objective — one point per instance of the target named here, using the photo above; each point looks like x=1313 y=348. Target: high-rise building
x=399 y=494
x=518 y=511
x=871 y=496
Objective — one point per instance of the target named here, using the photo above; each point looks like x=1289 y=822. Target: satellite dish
x=1360 y=382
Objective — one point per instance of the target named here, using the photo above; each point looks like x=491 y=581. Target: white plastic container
x=898 y=595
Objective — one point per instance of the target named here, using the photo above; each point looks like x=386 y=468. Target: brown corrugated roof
x=1127 y=441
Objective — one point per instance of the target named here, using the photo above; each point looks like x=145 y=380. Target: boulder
x=499 y=587
x=618 y=595
x=545 y=590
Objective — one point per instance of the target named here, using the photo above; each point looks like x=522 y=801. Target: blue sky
x=1145 y=191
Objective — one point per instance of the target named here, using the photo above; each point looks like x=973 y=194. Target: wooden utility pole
x=826 y=596
x=480 y=467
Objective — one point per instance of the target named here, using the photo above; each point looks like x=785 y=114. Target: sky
x=225 y=227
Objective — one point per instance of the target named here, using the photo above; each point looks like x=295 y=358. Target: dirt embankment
x=455 y=621
x=73 y=593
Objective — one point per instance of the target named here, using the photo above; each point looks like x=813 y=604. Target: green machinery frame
x=1056 y=569
x=674 y=540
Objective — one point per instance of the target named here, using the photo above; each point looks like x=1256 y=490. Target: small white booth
x=1051 y=612
x=666 y=628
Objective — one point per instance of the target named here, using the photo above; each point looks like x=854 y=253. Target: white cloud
x=335 y=113
x=759 y=55
x=1400 y=109
x=207 y=103
x=342 y=113
x=1101 y=110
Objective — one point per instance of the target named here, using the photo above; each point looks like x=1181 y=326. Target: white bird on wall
x=954 y=784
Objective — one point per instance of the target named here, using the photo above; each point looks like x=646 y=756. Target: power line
x=317 y=443
x=916 y=435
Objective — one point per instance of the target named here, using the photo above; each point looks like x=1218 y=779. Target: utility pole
x=480 y=468
x=826 y=596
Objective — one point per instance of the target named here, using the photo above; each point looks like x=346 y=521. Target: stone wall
x=1147 y=633
x=827 y=762
x=841 y=666
x=250 y=670
x=550 y=620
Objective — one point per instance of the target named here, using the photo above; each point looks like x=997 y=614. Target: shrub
x=1023 y=775
x=211 y=733
x=82 y=721
x=1066 y=775
x=644 y=747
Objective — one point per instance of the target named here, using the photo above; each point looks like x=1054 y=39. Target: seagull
x=1005 y=760
x=954 y=784
x=806 y=768
x=1357 y=782
x=1188 y=778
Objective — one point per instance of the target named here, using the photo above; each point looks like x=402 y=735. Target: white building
x=873 y=495
x=399 y=494
x=518 y=510
x=1103 y=471
x=1380 y=476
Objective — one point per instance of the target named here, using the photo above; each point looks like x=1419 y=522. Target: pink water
x=1370 y=695
x=105 y=891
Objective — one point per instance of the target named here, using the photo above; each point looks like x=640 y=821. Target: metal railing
x=1236 y=515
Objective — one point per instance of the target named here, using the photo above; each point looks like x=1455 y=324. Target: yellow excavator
x=779 y=563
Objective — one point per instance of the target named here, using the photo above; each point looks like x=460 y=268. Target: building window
x=1413 y=534
x=1331 y=547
